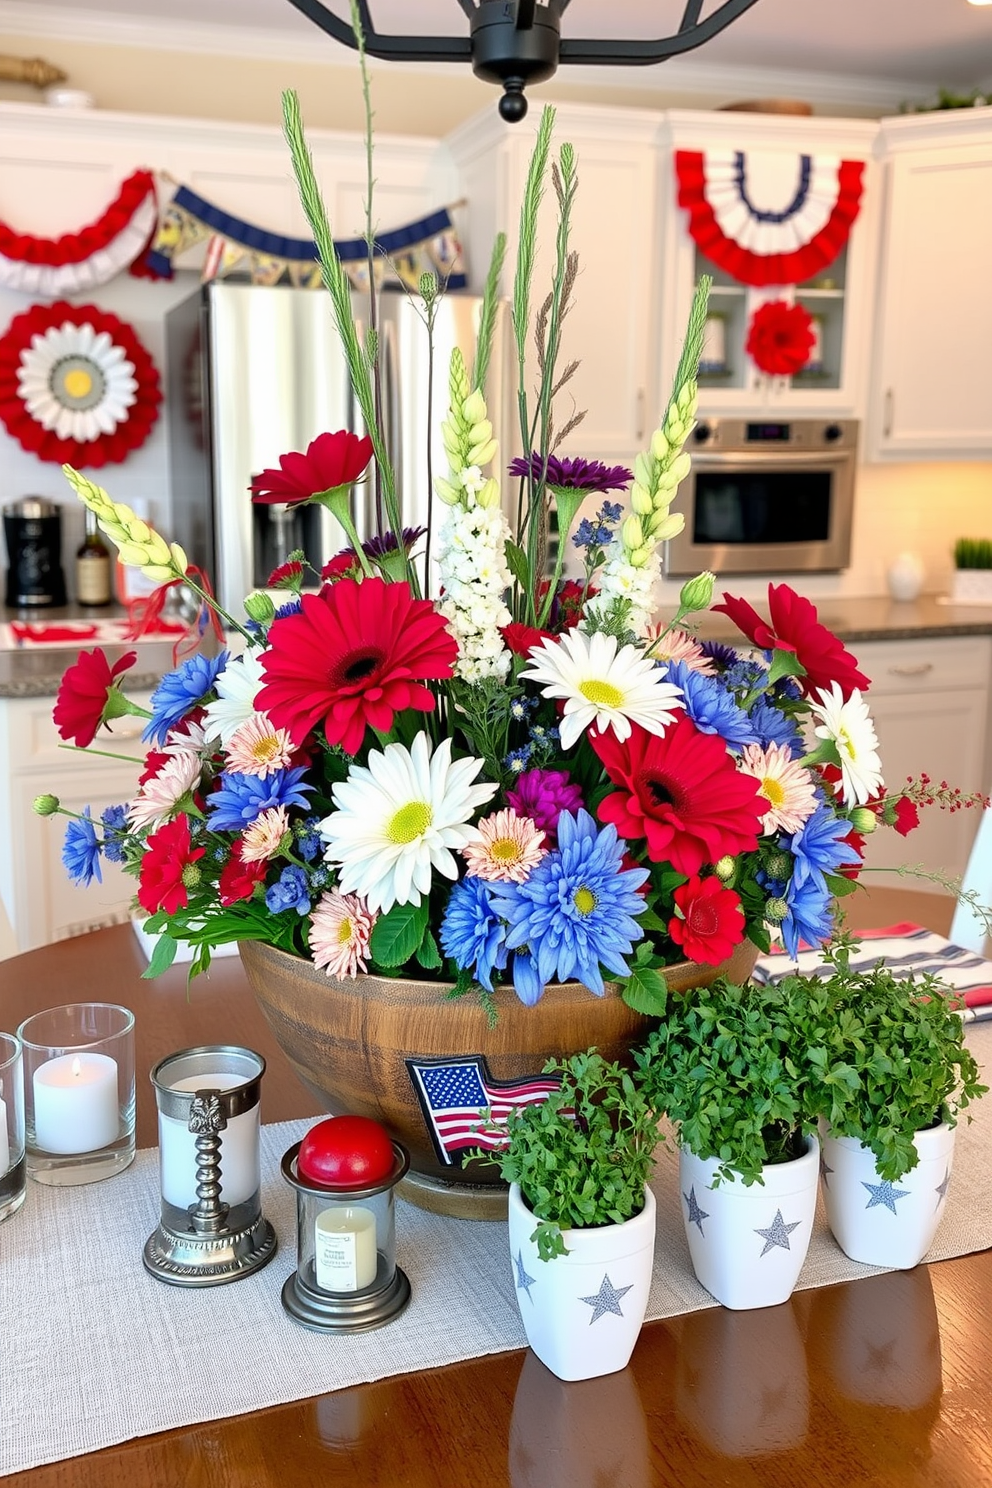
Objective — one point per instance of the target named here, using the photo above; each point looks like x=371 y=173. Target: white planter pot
x=880 y=1223
x=748 y=1244
x=582 y=1312
x=972 y=586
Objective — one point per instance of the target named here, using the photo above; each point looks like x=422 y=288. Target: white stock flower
x=602 y=685
x=849 y=726
x=474 y=576
x=399 y=818
x=621 y=579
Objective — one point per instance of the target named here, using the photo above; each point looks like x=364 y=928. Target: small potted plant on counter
x=890 y=1073
x=726 y=1063
x=581 y=1215
x=972 y=571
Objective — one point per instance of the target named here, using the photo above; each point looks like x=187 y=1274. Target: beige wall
x=247 y=89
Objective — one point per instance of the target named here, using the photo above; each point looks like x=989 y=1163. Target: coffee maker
x=32 y=528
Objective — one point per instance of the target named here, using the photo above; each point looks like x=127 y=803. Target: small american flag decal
x=453 y=1095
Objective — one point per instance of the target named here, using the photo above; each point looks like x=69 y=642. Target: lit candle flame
x=76 y=1068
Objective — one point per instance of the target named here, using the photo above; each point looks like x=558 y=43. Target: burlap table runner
x=93 y=1351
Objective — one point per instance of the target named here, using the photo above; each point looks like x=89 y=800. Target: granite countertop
x=37 y=672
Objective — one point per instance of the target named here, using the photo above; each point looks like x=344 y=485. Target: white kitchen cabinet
x=930 y=700
x=41 y=901
x=932 y=389
x=839 y=296
x=610 y=329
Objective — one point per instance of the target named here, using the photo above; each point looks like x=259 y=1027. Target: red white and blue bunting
x=767 y=217
x=82 y=260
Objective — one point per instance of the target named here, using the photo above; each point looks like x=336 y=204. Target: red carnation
x=353 y=656
x=286 y=576
x=520 y=639
x=794 y=627
x=343 y=565
x=84 y=693
x=711 y=923
x=682 y=793
x=165 y=867
x=237 y=878
x=907 y=816
x=780 y=338
x=332 y=462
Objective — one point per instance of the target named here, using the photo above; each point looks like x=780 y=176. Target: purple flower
x=573 y=474
x=378 y=547
x=724 y=656
x=543 y=795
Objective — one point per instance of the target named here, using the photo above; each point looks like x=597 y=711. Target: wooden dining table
x=882 y=1381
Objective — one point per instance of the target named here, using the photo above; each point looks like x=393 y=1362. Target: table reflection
x=584 y=1433
x=879 y=1340
x=741 y=1384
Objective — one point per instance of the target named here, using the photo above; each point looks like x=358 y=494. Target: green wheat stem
x=359 y=34
x=487 y=315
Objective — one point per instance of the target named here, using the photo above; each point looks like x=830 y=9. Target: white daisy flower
x=603 y=686
x=399 y=818
x=848 y=725
x=75 y=381
x=237 y=687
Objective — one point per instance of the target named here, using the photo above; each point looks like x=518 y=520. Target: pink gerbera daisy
x=161 y=793
x=783 y=783
x=261 y=840
x=507 y=848
x=679 y=645
x=340 y=931
x=258 y=748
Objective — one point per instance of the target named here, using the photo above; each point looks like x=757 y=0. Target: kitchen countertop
x=37 y=672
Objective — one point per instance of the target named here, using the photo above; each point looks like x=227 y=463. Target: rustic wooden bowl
x=348 y=1041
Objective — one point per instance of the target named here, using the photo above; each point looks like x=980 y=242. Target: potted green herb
x=581 y=1215
x=726 y=1063
x=972 y=571
x=890 y=1073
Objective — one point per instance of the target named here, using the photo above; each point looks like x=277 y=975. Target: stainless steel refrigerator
x=254 y=372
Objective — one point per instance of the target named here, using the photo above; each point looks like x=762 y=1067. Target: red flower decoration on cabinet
x=780 y=338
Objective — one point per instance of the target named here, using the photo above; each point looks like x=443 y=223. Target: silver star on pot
x=607 y=1299
x=884 y=1193
x=695 y=1215
x=524 y=1282
x=777 y=1233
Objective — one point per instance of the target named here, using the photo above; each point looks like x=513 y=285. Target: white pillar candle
x=345 y=1256
x=240 y=1173
x=76 y=1106
x=4 y=1141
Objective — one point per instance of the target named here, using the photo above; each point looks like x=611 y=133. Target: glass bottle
x=93 y=567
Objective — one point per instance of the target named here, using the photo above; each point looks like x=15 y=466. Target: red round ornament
x=346 y=1152
x=780 y=338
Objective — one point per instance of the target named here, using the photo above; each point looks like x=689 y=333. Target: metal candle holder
x=209 y=1242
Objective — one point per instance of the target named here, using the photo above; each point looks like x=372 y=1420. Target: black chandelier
x=516 y=42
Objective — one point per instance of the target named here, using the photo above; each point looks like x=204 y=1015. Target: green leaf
x=838 y=885
x=784 y=664
x=516 y=562
x=398 y=934
x=163 y=955
x=650 y=921
x=646 y=991
x=428 y=954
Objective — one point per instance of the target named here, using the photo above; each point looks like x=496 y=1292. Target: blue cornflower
x=289 y=892
x=610 y=512
x=320 y=878
x=575 y=911
x=743 y=675
x=724 y=656
x=81 y=850
x=809 y=916
x=291 y=607
x=114 y=820
x=771 y=726
x=240 y=799
x=522 y=707
x=472 y=933
x=818 y=849
x=180 y=691
x=309 y=842
x=517 y=759
x=710 y=706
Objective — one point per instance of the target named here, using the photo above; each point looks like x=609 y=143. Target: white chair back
x=966 y=930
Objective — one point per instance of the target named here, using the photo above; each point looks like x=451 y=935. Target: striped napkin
x=904 y=948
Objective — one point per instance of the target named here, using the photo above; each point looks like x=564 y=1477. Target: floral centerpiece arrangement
x=443 y=756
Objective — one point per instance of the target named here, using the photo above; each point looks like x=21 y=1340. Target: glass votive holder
x=13 y=1175
x=212 y=1229
x=78 y=1092
x=346 y=1278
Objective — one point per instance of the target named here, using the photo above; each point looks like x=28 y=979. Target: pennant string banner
x=234 y=246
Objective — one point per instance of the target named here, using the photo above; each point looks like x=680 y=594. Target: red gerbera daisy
x=85 y=692
x=353 y=656
x=332 y=462
x=168 y=867
x=238 y=878
x=682 y=793
x=711 y=922
x=794 y=627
